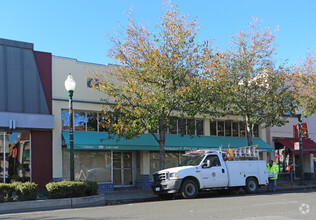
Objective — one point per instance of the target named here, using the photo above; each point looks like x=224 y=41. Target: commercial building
x=26 y=119
x=287 y=149
x=127 y=162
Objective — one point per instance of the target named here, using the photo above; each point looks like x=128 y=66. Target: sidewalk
x=128 y=195
x=118 y=196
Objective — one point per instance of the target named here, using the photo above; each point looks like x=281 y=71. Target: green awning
x=101 y=141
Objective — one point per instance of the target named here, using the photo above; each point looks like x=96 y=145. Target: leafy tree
x=304 y=84
x=157 y=79
x=251 y=84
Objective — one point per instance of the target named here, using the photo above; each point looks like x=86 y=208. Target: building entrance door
x=123 y=168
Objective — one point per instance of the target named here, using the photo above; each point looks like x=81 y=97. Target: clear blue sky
x=78 y=28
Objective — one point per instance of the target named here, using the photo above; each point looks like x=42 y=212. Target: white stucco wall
x=80 y=71
x=82 y=96
x=88 y=99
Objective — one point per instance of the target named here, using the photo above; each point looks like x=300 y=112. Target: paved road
x=285 y=205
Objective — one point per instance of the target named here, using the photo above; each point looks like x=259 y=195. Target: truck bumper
x=170 y=186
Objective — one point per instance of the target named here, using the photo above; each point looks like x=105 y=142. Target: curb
x=10 y=207
x=283 y=188
x=87 y=201
x=126 y=201
x=35 y=205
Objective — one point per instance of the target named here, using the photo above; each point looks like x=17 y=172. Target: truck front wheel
x=251 y=185
x=189 y=189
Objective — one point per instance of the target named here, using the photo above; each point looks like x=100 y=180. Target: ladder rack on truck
x=248 y=152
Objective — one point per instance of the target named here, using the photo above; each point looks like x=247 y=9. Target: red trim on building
x=44 y=66
x=42 y=171
x=42 y=162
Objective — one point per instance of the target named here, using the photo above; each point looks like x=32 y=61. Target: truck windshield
x=192 y=161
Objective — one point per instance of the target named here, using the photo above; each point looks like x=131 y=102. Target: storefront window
x=174 y=128
x=231 y=128
x=182 y=126
x=199 y=127
x=102 y=120
x=154 y=163
x=284 y=158
x=89 y=165
x=256 y=130
x=187 y=127
x=213 y=128
x=181 y=157
x=220 y=128
x=15 y=161
x=92 y=122
x=242 y=128
x=235 y=129
x=191 y=126
x=228 y=128
x=172 y=159
x=79 y=121
x=65 y=120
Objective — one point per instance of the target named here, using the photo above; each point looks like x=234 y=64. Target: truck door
x=213 y=173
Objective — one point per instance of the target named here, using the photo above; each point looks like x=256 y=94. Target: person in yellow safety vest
x=273 y=170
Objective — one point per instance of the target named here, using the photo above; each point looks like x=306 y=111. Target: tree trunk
x=162 y=141
x=249 y=130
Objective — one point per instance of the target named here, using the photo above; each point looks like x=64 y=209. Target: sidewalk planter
x=6 y=191
x=25 y=191
x=69 y=189
x=18 y=191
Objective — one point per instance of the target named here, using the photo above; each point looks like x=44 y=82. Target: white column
x=144 y=163
x=312 y=163
x=207 y=131
x=307 y=163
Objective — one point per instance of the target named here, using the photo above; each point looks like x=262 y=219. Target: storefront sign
x=180 y=148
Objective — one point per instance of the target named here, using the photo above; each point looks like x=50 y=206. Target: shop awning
x=309 y=146
x=101 y=141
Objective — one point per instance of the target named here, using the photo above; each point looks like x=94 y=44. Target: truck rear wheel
x=251 y=185
x=189 y=189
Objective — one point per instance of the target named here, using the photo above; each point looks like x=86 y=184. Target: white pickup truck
x=209 y=171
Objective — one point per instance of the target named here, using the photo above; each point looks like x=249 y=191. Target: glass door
x=123 y=168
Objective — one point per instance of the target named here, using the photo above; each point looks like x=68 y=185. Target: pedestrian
x=273 y=170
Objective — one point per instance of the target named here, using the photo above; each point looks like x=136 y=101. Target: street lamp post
x=299 y=117
x=70 y=85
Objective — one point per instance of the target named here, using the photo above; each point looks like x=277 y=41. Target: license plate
x=157 y=189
